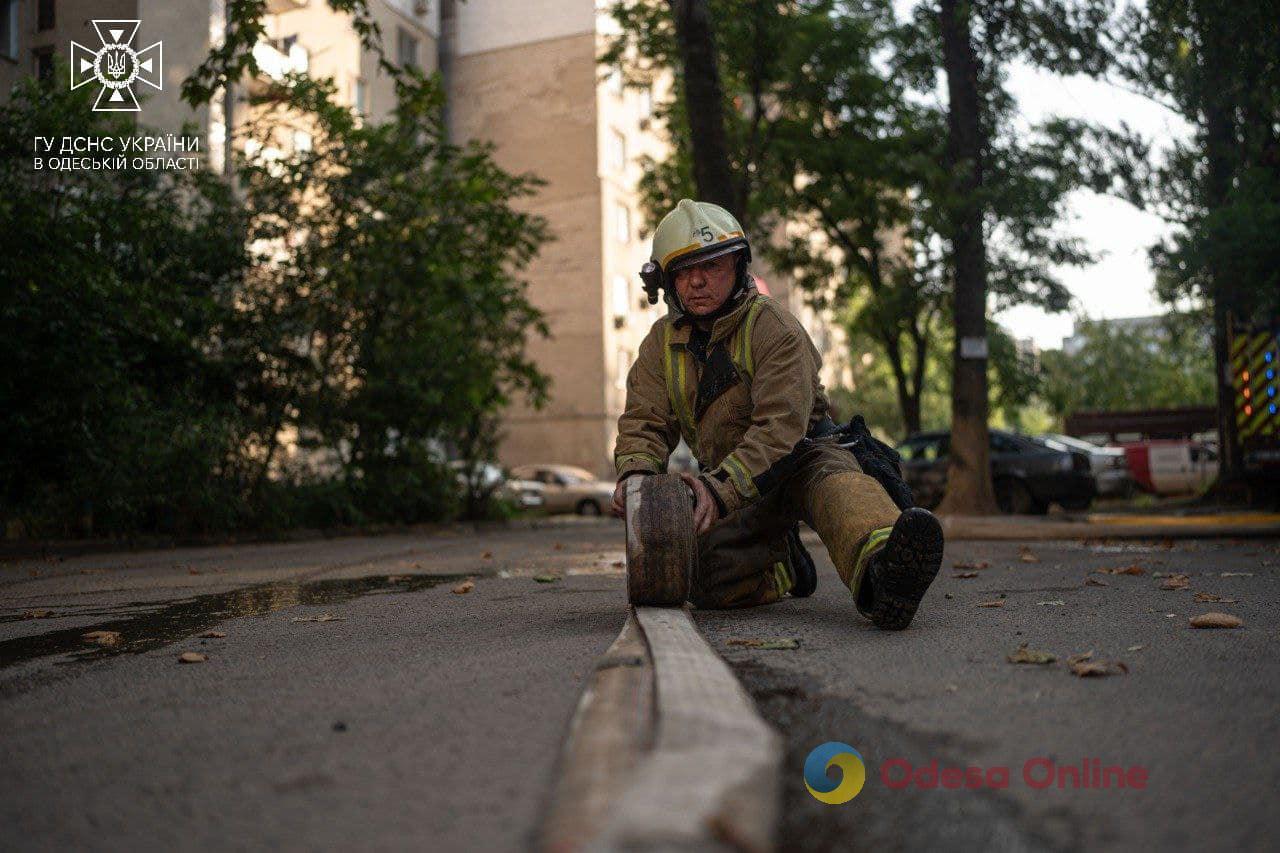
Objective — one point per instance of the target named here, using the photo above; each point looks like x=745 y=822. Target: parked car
x=1029 y=473
x=569 y=489
x=1172 y=467
x=523 y=493
x=1110 y=466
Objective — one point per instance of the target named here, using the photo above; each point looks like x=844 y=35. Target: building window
x=617 y=150
x=45 y=16
x=406 y=48
x=622 y=223
x=9 y=28
x=621 y=296
x=43 y=66
x=624 y=367
x=360 y=97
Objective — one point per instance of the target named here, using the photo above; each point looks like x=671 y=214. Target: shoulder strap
x=676 y=369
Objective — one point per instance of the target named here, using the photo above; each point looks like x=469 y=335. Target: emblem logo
x=117 y=66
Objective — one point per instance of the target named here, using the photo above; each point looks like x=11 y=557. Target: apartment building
x=521 y=74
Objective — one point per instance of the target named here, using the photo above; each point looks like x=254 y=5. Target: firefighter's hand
x=705 y=511
x=619 y=505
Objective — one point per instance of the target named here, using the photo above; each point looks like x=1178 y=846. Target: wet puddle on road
x=149 y=625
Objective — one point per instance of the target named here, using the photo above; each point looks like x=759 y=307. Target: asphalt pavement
x=403 y=715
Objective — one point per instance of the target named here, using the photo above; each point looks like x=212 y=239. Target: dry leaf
x=107 y=639
x=783 y=644
x=559 y=546
x=1095 y=582
x=487 y=555
x=1026 y=655
x=545 y=578
x=1055 y=603
x=323 y=617
x=1135 y=569
x=1083 y=667
x=999 y=602
x=1176 y=581
x=192 y=570
x=38 y=613
x=963 y=575
x=618 y=564
x=1026 y=555
x=213 y=635
x=1236 y=575
x=192 y=657
x=464 y=587
x=1209 y=596
x=1215 y=620
x=971 y=565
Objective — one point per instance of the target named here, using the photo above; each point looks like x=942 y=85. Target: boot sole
x=903 y=570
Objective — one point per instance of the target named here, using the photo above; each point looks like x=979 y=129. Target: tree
x=1119 y=368
x=1214 y=64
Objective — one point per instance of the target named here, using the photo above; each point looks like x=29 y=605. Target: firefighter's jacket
x=742 y=399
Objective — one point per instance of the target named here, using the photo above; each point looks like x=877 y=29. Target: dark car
x=1029 y=473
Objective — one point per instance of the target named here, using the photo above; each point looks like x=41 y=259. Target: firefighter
x=735 y=375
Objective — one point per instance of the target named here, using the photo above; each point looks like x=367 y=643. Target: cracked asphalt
x=417 y=717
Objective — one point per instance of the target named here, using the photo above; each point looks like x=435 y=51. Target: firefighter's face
x=703 y=287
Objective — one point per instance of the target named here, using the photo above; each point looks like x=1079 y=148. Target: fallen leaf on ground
x=1178 y=581
x=783 y=644
x=1135 y=569
x=1026 y=655
x=192 y=570
x=38 y=613
x=999 y=602
x=487 y=555
x=1095 y=582
x=1055 y=603
x=1083 y=666
x=398 y=578
x=464 y=587
x=618 y=564
x=962 y=575
x=108 y=639
x=192 y=657
x=972 y=565
x=323 y=617
x=1215 y=620
x=213 y=635
x=559 y=546
x=1028 y=556
x=545 y=578
x=1136 y=648
x=1209 y=596
x=1236 y=575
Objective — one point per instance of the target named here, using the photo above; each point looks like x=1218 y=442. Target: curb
x=709 y=779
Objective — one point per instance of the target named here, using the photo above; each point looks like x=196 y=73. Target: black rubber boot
x=804 y=573
x=901 y=571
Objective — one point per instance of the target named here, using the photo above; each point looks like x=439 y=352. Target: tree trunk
x=969 y=487
x=704 y=99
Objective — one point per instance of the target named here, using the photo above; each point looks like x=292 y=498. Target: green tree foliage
x=1120 y=369
x=183 y=357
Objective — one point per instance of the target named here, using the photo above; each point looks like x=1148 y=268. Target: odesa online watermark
x=1037 y=773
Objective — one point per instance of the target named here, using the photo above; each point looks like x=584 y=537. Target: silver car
x=566 y=488
x=1109 y=465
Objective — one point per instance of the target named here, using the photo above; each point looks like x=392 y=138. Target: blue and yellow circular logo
x=853 y=773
